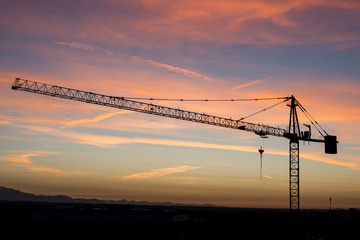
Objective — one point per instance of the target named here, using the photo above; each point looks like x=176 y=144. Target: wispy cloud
x=268 y=177
x=139 y=60
x=251 y=83
x=23 y=159
x=170 y=68
x=96 y=118
x=36 y=168
x=84 y=46
x=160 y=172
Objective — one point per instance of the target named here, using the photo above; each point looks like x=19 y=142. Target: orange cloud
x=269 y=177
x=34 y=168
x=24 y=157
x=160 y=172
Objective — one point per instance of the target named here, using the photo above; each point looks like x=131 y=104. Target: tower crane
x=293 y=132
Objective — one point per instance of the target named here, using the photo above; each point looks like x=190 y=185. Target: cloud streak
x=160 y=172
x=83 y=46
x=182 y=71
x=139 y=60
x=251 y=83
x=96 y=118
x=23 y=159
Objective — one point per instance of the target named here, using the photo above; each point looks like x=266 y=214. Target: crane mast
x=294 y=163
x=293 y=133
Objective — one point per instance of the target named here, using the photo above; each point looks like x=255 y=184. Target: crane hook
x=261 y=151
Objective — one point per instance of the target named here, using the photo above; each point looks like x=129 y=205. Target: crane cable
x=264 y=109
x=311 y=119
x=204 y=100
x=217 y=100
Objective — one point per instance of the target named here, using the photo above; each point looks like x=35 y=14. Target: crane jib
x=123 y=103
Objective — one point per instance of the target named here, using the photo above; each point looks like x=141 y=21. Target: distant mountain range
x=9 y=194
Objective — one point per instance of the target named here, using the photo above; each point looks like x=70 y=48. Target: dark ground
x=100 y=221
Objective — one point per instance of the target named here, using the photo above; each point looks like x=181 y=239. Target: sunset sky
x=180 y=49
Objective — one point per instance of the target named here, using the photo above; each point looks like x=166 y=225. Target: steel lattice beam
x=123 y=103
x=294 y=176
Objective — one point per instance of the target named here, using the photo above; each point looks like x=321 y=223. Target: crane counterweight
x=330 y=144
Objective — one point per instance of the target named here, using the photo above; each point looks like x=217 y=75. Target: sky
x=186 y=50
